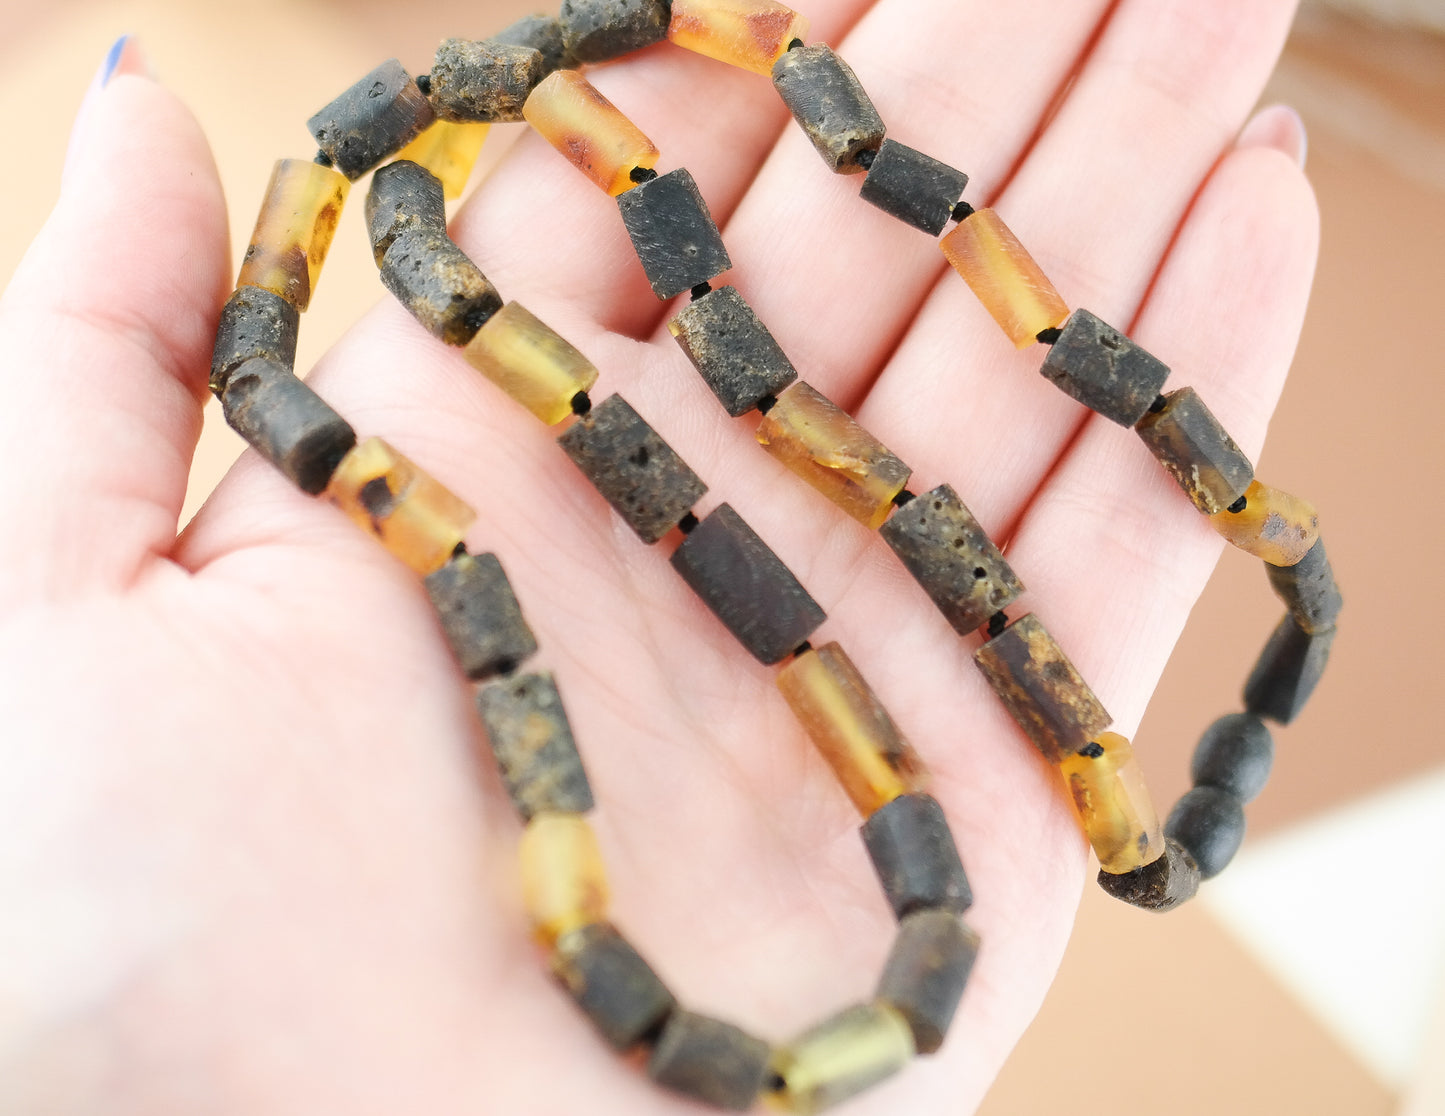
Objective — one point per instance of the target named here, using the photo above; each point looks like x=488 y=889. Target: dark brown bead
x=1103 y=369
x=286 y=423
x=1235 y=754
x=1196 y=451
x=483 y=80
x=710 y=1061
x=1287 y=671
x=912 y=849
x=636 y=472
x=730 y=346
x=443 y=289
x=918 y=190
x=374 y=119
x=403 y=195
x=615 y=988
x=254 y=323
x=480 y=615
x=926 y=972
x=533 y=745
x=747 y=586
x=596 y=30
x=543 y=33
x=675 y=236
x=1209 y=824
x=1308 y=589
x=950 y=555
x=1161 y=885
x=829 y=104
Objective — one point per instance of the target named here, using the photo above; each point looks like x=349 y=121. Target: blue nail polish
x=112 y=59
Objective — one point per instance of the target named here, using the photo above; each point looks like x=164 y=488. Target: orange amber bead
x=587 y=128
x=851 y=729
x=1004 y=277
x=449 y=150
x=524 y=357
x=294 y=230
x=751 y=34
x=1274 y=526
x=1114 y=804
x=564 y=883
x=414 y=516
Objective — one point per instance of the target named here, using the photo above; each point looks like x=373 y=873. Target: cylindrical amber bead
x=1273 y=526
x=852 y=730
x=1005 y=277
x=524 y=357
x=294 y=230
x=751 y=34
x=569 y=113
x=413 y=515
x=449 y=150
x=564 y=884
x=841 y=1057
x=1114 y=806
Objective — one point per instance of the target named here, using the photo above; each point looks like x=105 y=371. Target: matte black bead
x=596 y=30
x=254 y=323
x=372 y=120
x=1209 y=823
x=916 y=859
x=1160 y=885
x=674 y=234
x=480 y=615
x=732 y=349
x=1103 y=369
x=829 y=104
x=483 y=80
x=747 y=586
x=710 y=1061
x=443 y=289
x=286 y=423
x=543 y=33
x=1309 y=590
x=1196 y=450
x=926 y=972
x=1287 y=671
x=615 y=988
x=918 y=190
x=403 y=195
x=1235 y=754
x=533 y=745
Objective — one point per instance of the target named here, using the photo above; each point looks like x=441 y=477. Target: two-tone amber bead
x=1004 y=277
x=569 y=113
x=750 y=34
x=564 y=883
x=1107 y=786
x=294 y=230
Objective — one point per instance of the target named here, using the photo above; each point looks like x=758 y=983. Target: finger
x=108 y=325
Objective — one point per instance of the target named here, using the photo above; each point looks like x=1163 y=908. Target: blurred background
x=1310 y=978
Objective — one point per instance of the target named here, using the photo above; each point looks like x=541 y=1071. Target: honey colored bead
x=615 y=988
x=1287 y=671
x=1160 y=885
x=529 y=361
x=372 y=120
x=1113 y=803
x=676 y=240
x=294 y=230
x=732 y=349
x=1309 y=590
x=829 y=104
x=1196 y=451
x=926 y=971
x=917 y=862
x=449 y=150
x=750 y=34
x=564 y=884
x=850 y=727
x=404 y=195
x=481 y=618
x=532 y=742
x=543 y=33
x=821 y=442
x=596 y=30
x=710 y=1061
x=1274 y=526
x=1103 y=369
x=440 y=286
x=255 y=323
x=842 y=1057
x=569 y=113
x=286 y=423
x=1004 y=277
x=415 y=518
x=484 y=80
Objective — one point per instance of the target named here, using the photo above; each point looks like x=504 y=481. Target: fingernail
x=112 y=59
x=1279 y=127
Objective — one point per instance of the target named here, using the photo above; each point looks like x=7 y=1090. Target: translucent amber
x=841 y=1057
x=819 y=441
x=294 y=230
x=449 y=150
x=587 y=128
x=1004 y=277
x=855 y=734
x=564 y=885
x=414 y=516
x=1114 y=804
x=751 y=34
x=525 y=358
x=1274 y=526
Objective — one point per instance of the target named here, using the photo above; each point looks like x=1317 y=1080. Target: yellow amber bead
x=1114 y=804
x=841 y=1057
x=564 y=884
x=1004 y=277
x=449 y=150
x=413 y=515
x=524 y=357
x=294 y=230
x=819 y=441
x=852 y=730
x=586 y=127
x=751 y=34
x=1274 y=526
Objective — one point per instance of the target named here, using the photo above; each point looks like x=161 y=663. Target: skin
x=256 y=856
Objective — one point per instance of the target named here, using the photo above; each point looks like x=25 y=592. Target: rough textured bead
x=937 y=538
x=286 y=423
x=533 y=745
x=596 y=30
x=1274 y=526
x=677 y=242
x=820 y=442
x=829 y=104
x=750 y=34
x=294 y=230
x=926 y=972
x=1235 y=754
x=710 y=1061
x=842 y=1057
x=415 y=518
x=255 y=323
x=1004 y=277
x=481 y=618
x=529 y=361
x=1209 y=824
x=564 y=884
x=543 y=33
x=1308 y=589
x=444 y=290
x=918 y=190
x=747 y=586
x=910 y=845
x=1287 y=671
x=1103 y=369
x=1196 y=451
x=1114 y=804
x=615 y=988
x=483 y=80
x=449 y=151
x=845 y=720
x=1161 y=885
x=1041 y=689
x=404 y=195
x=567 y=111
x=371 y=121
x=730 y=346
